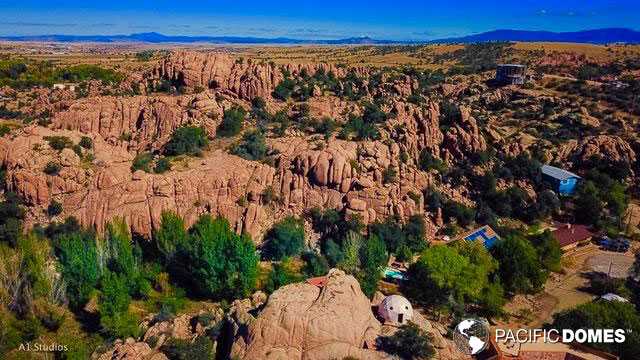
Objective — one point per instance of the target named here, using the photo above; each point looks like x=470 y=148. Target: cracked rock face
x=303 y=321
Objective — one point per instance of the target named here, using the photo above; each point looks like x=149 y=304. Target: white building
x=395 y=309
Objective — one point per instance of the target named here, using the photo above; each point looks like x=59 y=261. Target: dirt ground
x=566 y=290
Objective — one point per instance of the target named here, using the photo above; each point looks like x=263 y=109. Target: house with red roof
x=571 y=236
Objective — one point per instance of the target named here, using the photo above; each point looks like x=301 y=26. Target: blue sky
x=324 y=19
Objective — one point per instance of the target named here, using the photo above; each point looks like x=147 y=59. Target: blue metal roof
x=558 y=173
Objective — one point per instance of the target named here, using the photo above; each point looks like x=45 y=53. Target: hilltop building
x=395 y=310
x=511 y=74
x=562 y=181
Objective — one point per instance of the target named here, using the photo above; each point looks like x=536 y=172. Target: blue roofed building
x=485 y=234
x=562 y=181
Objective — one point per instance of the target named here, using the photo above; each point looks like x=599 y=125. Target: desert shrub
x=410 y=342
x=52 y=168
x=252 y=146
x=162 y=165
x=284 y=239
x=202 y=348
x=314 y=264
x=389 y=175
x=58 y=142
x=269 y=195
x=86 y=142
x=232 y=121
x=363 y=130
x=4 y=130
x=284 y=89
x=282 y=274
x=189 y=140
x=427 y=162
x=372 y=114
x=142 y=161
x=54 y=208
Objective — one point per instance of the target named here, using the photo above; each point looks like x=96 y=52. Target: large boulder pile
x=305 y=321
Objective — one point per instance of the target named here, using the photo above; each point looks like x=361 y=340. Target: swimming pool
x=391 y=273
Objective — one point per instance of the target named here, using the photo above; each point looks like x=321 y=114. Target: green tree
x=113 y=306
x=409 y=343
x=232 y=121
x=351 y=253
x=125 y=259
x=189 y=140
x=549 y=250
x=286 y=238
x=315 y=264
x=390 y=231
x=605 y=315
x=282 y=274
x=170 y=236
x=54 y=208
x=373 y=257
x=219 y=263
x=11 y=215
x=78 y=258
x=588 y=201
x=520 y=268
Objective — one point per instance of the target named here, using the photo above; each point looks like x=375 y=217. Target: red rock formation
x=149 y=121
x=303 y=321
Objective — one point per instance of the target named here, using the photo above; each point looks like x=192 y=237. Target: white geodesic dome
x=395 y=309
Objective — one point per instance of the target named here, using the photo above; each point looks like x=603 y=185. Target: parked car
x=618 y=245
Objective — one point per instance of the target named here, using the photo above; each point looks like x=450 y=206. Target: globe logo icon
x=471 y=336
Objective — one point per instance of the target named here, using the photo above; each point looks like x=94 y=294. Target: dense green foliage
x=232 y=121
x=446 y=276
x=187 y=140
x=78 y=257
x=281 y=274
x=521 y=269
x=23 y=74
x=11 y=215
x=605 y=315
x=409 y=342
x=284 y=239
x=216 y=262
x=252 y=146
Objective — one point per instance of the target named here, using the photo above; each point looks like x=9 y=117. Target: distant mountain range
x=157 y=38
x=597 y=36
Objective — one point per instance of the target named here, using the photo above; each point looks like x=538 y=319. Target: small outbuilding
x=511 y=74
x=396 y=310
x=562 y=181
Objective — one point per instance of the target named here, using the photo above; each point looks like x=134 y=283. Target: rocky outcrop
x=141 y=121
x=245 y=78
x=131 y=350
x=464 y=137
x=303 y=321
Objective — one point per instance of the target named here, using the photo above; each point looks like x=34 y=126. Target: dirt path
x=567 y=290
